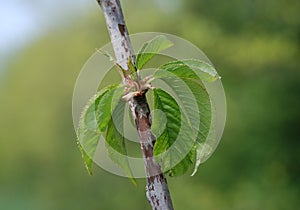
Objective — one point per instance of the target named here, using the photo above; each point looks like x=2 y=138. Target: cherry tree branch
x=157 y=191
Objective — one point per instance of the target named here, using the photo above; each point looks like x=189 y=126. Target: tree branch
x=157 y=191
x=118 y=32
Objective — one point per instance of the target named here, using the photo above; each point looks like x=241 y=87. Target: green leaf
x=106 y=105
x=115 y=141
x=205 y=115
x=88 y=162
x=132 y=68
x=189 y=69
x=94 y=120
x=167 y=104
x=88 y=134
x=195 y=103
x=150 y=49
x=175 y=140
x=101 y=113
x=202 y=152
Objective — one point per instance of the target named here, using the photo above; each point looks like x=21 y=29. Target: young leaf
x=94 y=120
x=178 y=77
x=167 y=104
x=88 y=162
x=189 y=69
x=205 y=115
x=202 y=152
x=106 y=105
x=116 y=142
x=150 y=49
x=195 y=102
x=88 y=134
x=132 y=68
x=175 y=139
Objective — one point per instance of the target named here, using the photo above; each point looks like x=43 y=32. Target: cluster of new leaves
x=181 y=141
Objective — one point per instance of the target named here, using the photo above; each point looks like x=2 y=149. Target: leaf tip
x=215 y=78
x=134 y=182
x=90 y=172
x=194 y=172
x=105 y=53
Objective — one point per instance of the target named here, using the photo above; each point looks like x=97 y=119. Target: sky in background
x=22 y=21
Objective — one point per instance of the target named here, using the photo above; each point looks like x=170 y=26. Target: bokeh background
x=254 y=44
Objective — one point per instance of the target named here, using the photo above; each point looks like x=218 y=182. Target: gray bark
x=157 y=191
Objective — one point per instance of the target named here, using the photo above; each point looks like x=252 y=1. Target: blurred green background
x=253 y=44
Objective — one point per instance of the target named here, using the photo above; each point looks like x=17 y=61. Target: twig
x=157 y=191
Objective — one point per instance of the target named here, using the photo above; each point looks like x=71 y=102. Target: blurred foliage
x=255 y=47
